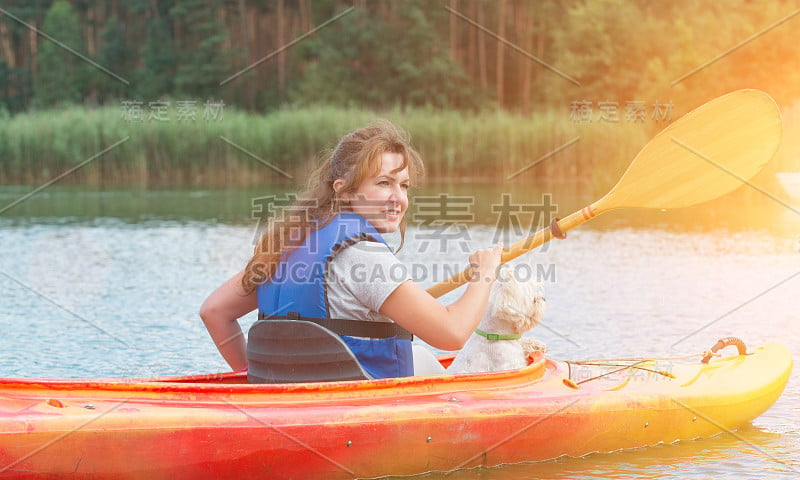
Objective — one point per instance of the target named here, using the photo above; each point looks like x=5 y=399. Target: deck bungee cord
x=636 y=362
x=636 y=365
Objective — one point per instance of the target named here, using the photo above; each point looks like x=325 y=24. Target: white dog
x=514 y=308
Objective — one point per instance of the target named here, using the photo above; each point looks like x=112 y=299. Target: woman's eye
x=405 y=186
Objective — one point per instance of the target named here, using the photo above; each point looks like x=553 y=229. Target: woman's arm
x=220 y=313
x=445 y=327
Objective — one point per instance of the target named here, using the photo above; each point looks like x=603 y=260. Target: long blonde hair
x=356 y=157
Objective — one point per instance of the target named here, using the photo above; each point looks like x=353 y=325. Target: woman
x=307 y=261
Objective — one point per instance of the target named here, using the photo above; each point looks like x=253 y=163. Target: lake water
x=108 y=284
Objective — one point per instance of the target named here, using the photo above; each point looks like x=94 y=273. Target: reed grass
x=456 y=146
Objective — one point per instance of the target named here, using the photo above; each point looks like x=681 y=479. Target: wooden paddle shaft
x=523 y=246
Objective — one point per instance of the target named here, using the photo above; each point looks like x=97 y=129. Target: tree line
x=520 y=55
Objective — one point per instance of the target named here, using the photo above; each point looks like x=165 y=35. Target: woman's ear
x=338 y=184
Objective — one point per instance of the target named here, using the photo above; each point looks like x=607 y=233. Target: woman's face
x=382 y=198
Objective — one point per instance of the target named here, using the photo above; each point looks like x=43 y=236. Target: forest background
x=247 y=92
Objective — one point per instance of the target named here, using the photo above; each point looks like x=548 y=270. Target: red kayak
x=221 y=427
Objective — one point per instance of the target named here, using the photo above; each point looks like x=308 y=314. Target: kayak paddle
x=703 y=155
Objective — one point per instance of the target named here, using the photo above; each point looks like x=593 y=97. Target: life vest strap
x=351 y=328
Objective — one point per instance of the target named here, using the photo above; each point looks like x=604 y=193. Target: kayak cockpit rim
x=236 y=382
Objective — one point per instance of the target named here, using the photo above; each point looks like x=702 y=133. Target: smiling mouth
x=392 y=211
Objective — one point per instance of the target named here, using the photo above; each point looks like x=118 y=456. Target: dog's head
x=516 y=300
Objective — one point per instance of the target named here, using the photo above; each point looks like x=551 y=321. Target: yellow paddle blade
x=703 y=155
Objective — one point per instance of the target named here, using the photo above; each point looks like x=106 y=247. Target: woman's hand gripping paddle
x=703 y=155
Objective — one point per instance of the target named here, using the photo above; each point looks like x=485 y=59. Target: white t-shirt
x=360 y=278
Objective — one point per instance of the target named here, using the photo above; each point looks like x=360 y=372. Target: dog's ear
x=539 y=309
x=531 y=299
x=534 y=313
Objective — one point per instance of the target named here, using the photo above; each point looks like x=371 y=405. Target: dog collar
x=498 y=336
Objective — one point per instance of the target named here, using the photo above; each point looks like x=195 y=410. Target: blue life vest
x=298 y=285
